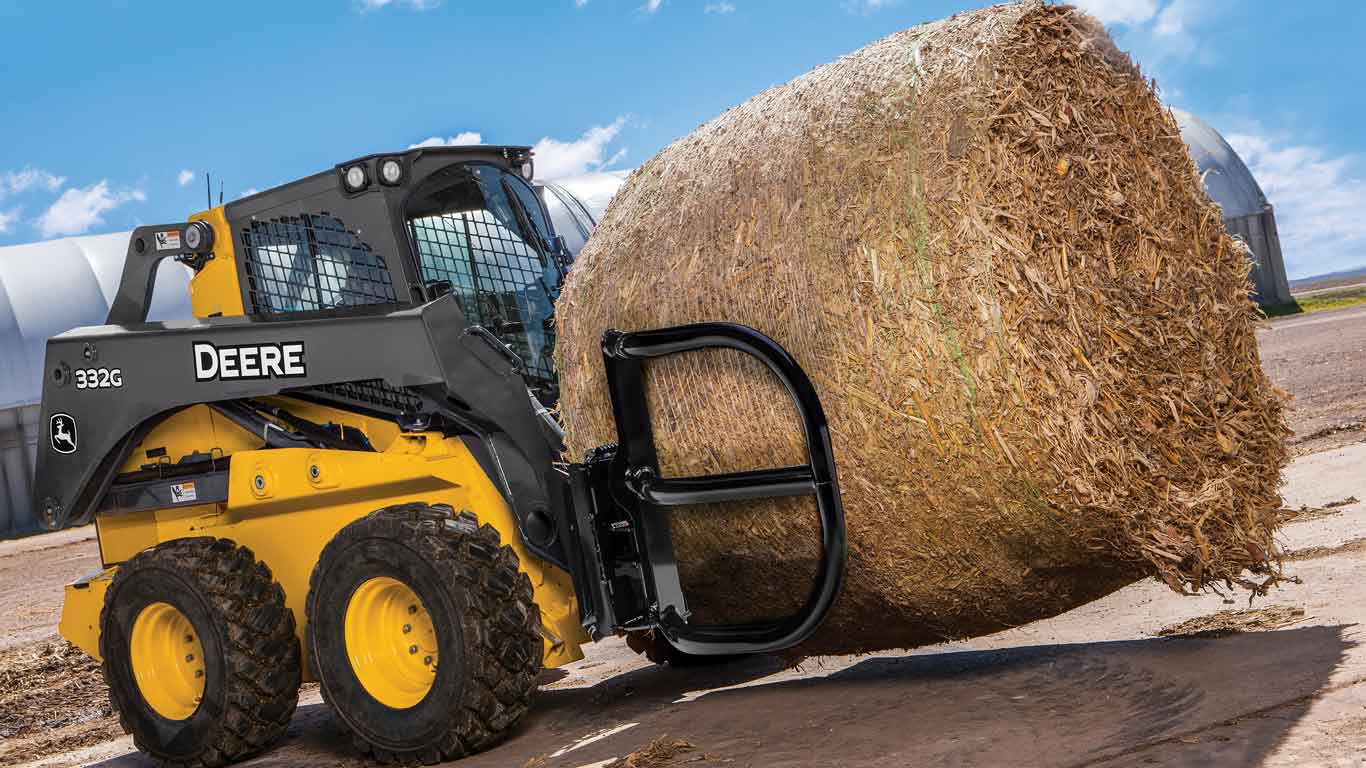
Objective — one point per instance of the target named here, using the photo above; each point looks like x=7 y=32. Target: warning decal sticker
x=183 y=492
x=168 y=241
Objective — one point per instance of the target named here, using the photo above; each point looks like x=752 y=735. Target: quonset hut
x=1247 y=214
x=51 y=287
x=46 y=289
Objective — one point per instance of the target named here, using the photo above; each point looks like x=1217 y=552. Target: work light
x=390 y=171
x=355 y=178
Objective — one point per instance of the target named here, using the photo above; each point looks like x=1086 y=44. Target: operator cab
x=401 y=229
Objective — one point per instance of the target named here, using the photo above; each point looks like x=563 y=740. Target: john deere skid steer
x=344 y=470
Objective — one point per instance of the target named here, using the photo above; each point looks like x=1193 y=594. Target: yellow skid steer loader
x=345 y=470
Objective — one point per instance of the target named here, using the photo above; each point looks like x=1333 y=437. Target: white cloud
x=1318 y=197
x=16 y=182
x=416 y=5
x=1119 y=11
x=555 y=158
x=866 y=7
x=1179 y=15
x=580 y=3
x=80 y=208
x=651 y=6
x=719 y=8
x=7 y=219
x=462 y=139
x=184 y=178
x=1174 y=33
x=249 y=191
x=1160 y=33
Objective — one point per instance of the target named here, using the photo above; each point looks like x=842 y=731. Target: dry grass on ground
x=1232 y=622
x=52 y=700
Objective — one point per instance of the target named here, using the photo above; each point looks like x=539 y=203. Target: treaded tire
x=486 y=621
x=251 y=654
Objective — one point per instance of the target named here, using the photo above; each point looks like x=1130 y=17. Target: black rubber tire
x=653 y=646
x=251 y=654
x=487 y=624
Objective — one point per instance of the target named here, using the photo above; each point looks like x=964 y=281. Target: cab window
x=482 y=231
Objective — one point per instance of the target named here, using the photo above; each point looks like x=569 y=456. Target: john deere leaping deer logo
x=62 y=431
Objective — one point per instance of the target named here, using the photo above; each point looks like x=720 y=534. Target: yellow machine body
x=290 y=514
x=216 y=289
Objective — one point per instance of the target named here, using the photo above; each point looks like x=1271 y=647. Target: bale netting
x=985 y=242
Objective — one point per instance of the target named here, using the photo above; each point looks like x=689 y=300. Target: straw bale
x=985 y=242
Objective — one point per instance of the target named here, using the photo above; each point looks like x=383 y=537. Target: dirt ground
x=1320 y=358
x=1141 y=677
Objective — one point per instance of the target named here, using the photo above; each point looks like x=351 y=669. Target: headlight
x=390 y=171
x=528 y=169
x=355 y=178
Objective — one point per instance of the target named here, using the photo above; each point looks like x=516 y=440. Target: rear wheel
x=423 y=634
x=199 y=652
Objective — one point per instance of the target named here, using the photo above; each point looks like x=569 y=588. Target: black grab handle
x=636 y=470
x=147 y=247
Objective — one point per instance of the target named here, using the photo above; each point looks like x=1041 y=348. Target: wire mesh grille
x=374 y=393
x=499 y=278
x=311 y=262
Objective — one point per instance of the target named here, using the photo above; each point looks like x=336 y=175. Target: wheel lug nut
x=189 y=657
x=412 y=609
x=412 y=649
x=407 y=628
x=427 y=661
x=199 y=673
x=189 y=638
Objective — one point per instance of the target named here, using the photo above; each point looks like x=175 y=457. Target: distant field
x=1321 y=299
x=1332 y=299
x=1342 y=279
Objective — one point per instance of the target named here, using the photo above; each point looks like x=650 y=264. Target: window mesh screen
x=498 y=277
x=311 y=262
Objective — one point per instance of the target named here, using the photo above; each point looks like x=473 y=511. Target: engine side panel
x=288 y=516
x=105 y=383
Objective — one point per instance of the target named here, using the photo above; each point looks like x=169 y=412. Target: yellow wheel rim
x=391 y=642
x=168 y=661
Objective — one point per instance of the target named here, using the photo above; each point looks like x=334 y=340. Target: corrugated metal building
x=51 y=287
x=1247 y=214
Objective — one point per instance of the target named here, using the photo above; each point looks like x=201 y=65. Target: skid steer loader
x=345 y=470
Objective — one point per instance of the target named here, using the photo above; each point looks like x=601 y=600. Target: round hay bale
x=985 y=242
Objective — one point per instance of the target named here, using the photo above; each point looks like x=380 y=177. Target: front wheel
x=423 y=634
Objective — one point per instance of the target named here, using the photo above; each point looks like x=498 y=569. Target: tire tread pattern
x=501 y=627
x=261 y=650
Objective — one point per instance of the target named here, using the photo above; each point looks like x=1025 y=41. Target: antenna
x=208 y=188
x=220 y=191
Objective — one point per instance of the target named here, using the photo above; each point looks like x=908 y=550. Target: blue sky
x=115 y=109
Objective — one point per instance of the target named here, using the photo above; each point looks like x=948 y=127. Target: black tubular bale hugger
x=358 y=421
x=621 y=501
